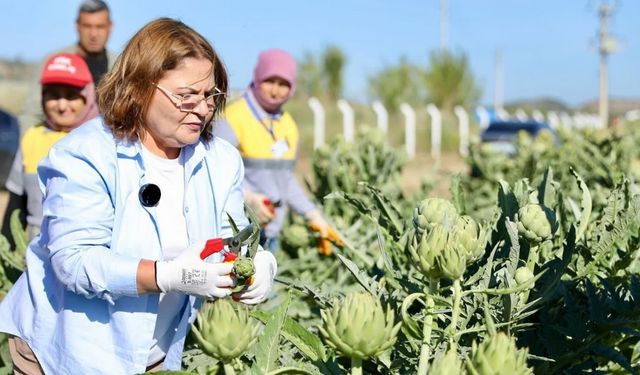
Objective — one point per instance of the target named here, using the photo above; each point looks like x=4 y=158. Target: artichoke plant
x=498 y=355
x=431 y=211
x=447 y=364
x=296 y=236
x=225 y=332
x=437 y=254
x=425 y=249
x=359 y=328
x=471 y=236
x=451 y=262
x=536 y=223
x=523 y=275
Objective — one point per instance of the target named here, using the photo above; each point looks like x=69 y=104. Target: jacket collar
x=193 y=154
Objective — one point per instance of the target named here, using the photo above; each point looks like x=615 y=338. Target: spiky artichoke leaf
x=267 y=347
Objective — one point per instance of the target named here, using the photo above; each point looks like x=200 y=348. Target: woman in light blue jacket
x=115 y=278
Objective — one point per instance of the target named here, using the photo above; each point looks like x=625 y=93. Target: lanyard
x=256 y=114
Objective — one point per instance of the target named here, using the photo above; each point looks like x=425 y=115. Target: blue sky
x=548 y=46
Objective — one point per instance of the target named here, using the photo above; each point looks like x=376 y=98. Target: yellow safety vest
x=255 y=140
x=35 y=146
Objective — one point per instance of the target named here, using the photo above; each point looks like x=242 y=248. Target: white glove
x=266 y=268
x=256 y=201
x=189 y=274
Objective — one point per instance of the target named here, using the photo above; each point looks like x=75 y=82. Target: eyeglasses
x=189 y=102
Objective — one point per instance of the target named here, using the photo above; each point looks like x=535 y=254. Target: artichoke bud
x=358 y=326
x=432 y=211
x=536 y=223
x=446 y=364
x=223 y=331
x=429 y=246
x=243 y=268
x=296 y=236
x=523 y=275
x=498 y=355
x=451 y=262
x=471 y=237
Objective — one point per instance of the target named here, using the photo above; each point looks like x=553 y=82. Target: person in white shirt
x=115 y=278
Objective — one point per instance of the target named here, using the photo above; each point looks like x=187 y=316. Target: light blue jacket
x=77 y=304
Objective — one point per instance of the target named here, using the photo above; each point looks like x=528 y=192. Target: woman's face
x=63 y=106
x=167 y=128
x=275 y=89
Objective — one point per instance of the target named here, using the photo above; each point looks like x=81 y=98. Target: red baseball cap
x=66 y=69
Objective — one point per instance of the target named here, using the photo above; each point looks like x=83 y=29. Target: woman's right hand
x=189 y=274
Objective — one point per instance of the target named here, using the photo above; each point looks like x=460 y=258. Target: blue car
x=9 y=141
x=500 y=136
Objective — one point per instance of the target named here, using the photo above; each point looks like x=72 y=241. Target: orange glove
x=327 y=234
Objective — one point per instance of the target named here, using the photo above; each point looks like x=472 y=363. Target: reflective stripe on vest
x=268 y=163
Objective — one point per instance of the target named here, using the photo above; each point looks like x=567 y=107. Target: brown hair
x=124 y=94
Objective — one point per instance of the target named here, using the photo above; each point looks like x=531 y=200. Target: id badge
x=279 y=148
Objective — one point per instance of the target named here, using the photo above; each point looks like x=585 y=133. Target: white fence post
x=409 y=129
x=382 y=116
x=347 y=120
x=594 y=119
x=567 y=121
x=436 y=130
x=554 y=120
x=537 y=115
x=521 y=115
x=463 y=130
x=483 y=117
x=502 y=114
x=318 y=121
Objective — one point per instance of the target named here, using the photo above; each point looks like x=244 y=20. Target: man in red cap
x=67 y=100
x=94 y=27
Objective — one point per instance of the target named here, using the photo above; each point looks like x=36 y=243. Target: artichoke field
x=530 y=265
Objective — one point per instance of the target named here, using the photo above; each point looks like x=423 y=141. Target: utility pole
x=606 y=46
x=498 y=96
x=444 y=24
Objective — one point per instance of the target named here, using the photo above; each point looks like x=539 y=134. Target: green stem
x=425 y=349
x=455 y=313
x=228 y=369
x=356 y=366
x=534 y=255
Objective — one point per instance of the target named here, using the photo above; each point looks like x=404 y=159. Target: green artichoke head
x=523 y=275
x=536 y=223
x=498 y=355
x=426 y=248
x=224 y=330
x=431 y=211
x=296 y=236
x=451 y=262
x=446 y=364
x=471 y=237
x=358 y=326
x=244 y=268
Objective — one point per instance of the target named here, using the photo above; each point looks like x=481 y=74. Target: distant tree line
x=446 y=81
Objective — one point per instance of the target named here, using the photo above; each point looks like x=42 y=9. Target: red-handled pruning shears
x=233 y=244
x=272 y=205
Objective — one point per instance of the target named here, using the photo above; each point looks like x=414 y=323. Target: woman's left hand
x=256 y=292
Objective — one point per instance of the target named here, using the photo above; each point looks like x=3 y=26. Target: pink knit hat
x=275 y=63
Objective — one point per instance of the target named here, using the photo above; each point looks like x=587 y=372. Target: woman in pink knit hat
x=268 y=138
x=68 y=99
